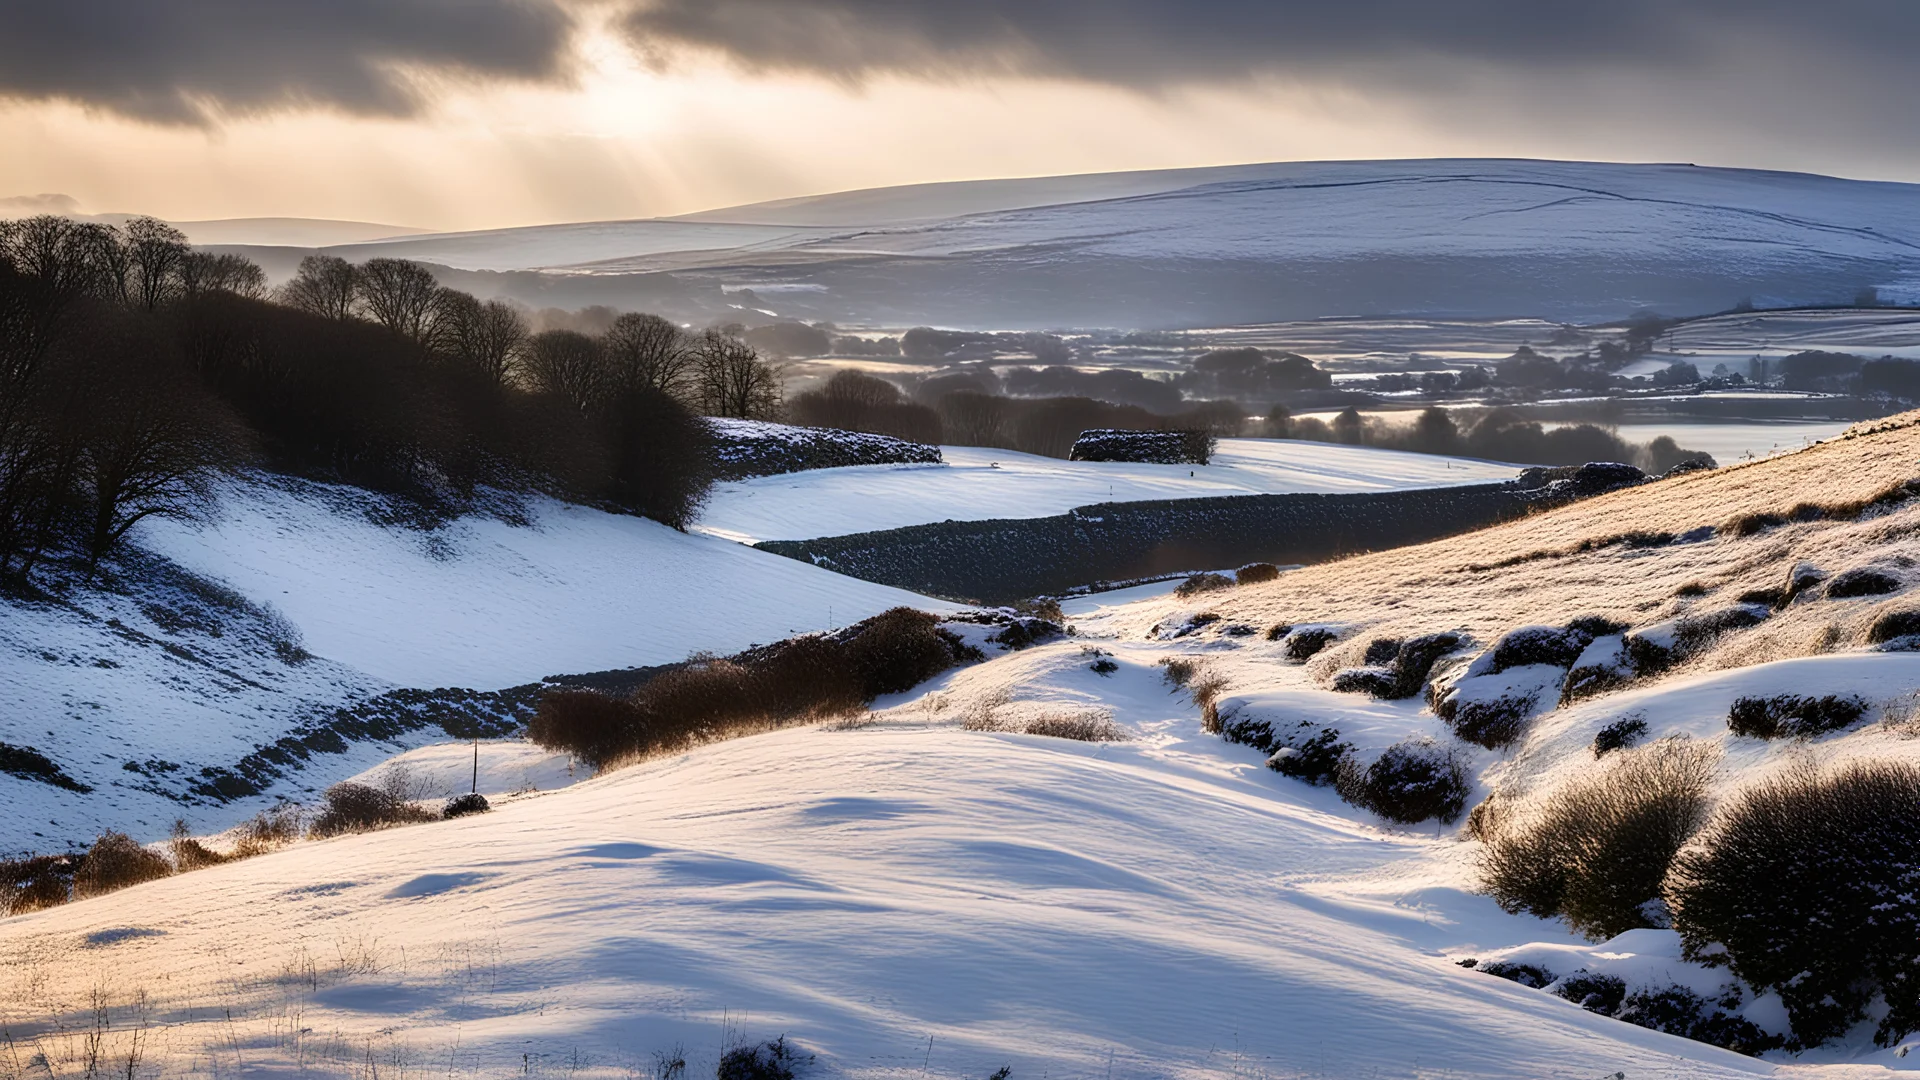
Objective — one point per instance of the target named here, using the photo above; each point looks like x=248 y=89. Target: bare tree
x=400 y=296
x=731 y=380
x=568 y=364
x=203 y=272
x=488 y=338
x=152 y=439
x=647 y=350
x=155 y=251
x=325 y=285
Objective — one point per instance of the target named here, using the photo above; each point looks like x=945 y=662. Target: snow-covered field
x=484 y=603
x=977 y=483
x=902 y=900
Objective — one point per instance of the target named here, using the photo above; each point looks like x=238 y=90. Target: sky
x=470 y=114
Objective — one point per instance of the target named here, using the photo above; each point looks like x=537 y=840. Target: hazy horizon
x=522 y=112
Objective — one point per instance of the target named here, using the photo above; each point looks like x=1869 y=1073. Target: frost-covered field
x=977 y=483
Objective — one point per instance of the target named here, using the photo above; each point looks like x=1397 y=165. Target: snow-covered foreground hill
x=902 y=900
x=1290 y=240
x=295 y=602
x=976 y=483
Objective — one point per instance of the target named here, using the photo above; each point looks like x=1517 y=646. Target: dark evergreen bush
x=1495 y=723
x=1302 y=645
x=1530 y=976
x=774 y=1060
x=1806 y=885
x=1408 y=783
x=1790 y=716
x=1316 y=759
x=1619 y=735
x=1594 y=993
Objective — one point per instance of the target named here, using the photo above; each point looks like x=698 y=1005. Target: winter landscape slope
x=297 y=600
x=925 y=892
x=1206 y=247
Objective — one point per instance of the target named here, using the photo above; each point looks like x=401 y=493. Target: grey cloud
x=1135 y=42
x=190 y=61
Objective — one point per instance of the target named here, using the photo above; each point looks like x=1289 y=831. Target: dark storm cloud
x=1157 y=42
x=190 y=60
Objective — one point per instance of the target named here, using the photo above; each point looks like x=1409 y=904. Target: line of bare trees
x=134 y=370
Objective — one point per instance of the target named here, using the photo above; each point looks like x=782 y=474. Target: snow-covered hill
x=1203 y=247
x=222 y=641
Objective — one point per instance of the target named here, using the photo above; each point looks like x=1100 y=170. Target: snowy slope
x=976 y=483
x=303 y=605
x=483 y=603
x=900 y=901
x=1562 y=240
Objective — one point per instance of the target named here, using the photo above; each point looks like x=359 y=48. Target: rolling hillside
x=1240 y=244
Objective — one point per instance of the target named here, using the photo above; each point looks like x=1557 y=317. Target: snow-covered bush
x=1150 y=447
x=1401 y=668
x=1304 y=642
x=1806 y=885
x=1791 y=716
x=1410 y=782
x=744 y=448
x=1596 y=851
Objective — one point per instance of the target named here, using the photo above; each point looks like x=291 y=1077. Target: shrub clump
x=1530 y=976
x=1305 y=642
x=1622 y=734
x=799 y=679
x=1894 y=625
x=1410 y=782
x=1406 y=666
x=116 y=861
x=35 y=882
x=1806 y=885
x=461 y=805
x=1203 y=583
x=355 y=807
x=1791 y=716
x=1256 y=572
x=773 y=1060
x=1278 y=631
x=1861 y=581
x=1596 y=851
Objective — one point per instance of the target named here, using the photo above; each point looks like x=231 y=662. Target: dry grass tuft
x=1596 y=851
